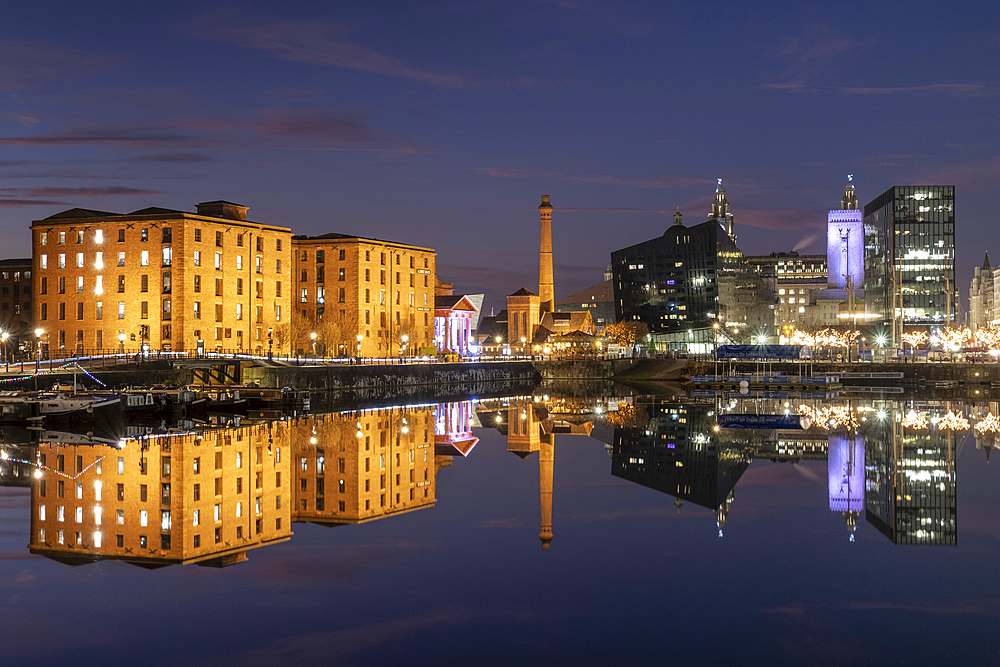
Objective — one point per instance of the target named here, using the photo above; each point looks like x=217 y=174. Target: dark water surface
x=753 y=566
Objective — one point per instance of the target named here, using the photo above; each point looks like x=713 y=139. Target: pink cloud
x=981 y=89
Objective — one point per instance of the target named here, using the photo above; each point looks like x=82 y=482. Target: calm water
x=671 y=542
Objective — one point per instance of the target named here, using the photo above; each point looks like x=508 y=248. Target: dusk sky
x=440 y=124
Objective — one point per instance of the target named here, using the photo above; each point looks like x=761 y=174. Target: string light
x=953 y=422
x=914 y=420
x=988 y=424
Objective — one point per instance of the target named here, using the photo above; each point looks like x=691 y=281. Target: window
x=99 y=261
x=145 y=234
x=239 y=286
x=144 y=310
x=79 y=311
x=197 y=284
x=304 y=277
x=277 y=266
x=166 y=283
x=197 y=235
x=239 y=262
x=167 y=255
x=143 y=518
x=43 y=239
x=277 y=313
x=62 y=238
x=321 y=294
x=277 y=245
x=341 y=296
x=79 y=260
x=197 y=258
x=144 y=258
x=218 y=261
x=218 y=287
x=305 y=295
x=195 y=517
x=144 y=283
x=43 y=262
x=99 y=314
x=121 y=236
x=79 y=284
x=218 y=239
x=320 y=256
x=258 y=268
x=121 y=310
x=239 y=311
x=197 y=310
x=260 y=243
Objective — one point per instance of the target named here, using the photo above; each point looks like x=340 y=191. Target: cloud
x=125 y=136
x=108 y=191
x=22 y=118
x=11 y=203
x=810 y=57
x=27 y=64
x=981 y=89
x=315 y=42
x=333 y=129
x=976 y=176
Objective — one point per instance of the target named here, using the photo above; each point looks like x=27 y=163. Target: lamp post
x=313 y=337
x=406 y=342
x=360 y=338
x=497 y=339
x=270 y=343
x=38 y=360
x=3 y=338
x=524 y=350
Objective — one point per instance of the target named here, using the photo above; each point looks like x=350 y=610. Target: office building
x=689 y=279
x=793 y=280
x=982 y=298
x=909 y=266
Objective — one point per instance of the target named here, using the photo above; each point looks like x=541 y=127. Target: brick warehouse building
x=348 y=286
x=178 y=281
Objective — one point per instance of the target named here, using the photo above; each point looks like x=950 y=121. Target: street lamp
x=313 y=337
x=270 y=343
x=360 y=338
x=3 y=338
x=38 y=361
x=523 y=341
x=406 y=342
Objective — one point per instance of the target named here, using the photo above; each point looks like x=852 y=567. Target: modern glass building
x=910 y=255
x=688 y=280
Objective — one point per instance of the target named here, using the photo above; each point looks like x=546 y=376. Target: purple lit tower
x=846 y=477
x=845 y=243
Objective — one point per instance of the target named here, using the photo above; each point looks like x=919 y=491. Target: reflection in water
x=209 y=497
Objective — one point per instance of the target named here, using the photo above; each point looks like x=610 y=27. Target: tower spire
x=850 y=200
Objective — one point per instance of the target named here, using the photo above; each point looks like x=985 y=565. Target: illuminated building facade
x=982 y=296
x=346 y=286
x=793 y=280
x=846 y=476
x=687 y=280
x=193 y=498
x=168 y=280
x=910 y=255
x=453 y=318
x=845 y=243
x=358 y=467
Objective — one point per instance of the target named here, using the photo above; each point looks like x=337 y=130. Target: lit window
x=99 y=236
x=143 y=518
x=144 y=258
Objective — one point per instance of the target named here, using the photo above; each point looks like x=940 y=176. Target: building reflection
x=362 y=466
x=681 y=453
x=910 y=479
x=204 y=498
x=209 y=497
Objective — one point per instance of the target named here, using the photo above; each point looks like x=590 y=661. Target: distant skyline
x=441 y=124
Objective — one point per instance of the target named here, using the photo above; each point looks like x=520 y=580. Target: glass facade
x=687 y=279
x=910 y=235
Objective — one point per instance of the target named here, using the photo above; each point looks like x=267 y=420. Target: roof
x=337 y=236
x=156 y=210
x=454 y=302
x=82 y=213
x=599 y=293
x=16 y=262
x=523 y=292
x=569 y=320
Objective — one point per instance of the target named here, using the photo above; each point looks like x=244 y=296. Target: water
x=758 y=563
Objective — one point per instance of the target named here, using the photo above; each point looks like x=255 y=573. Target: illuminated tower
x=846 y=477
x=720 y=212
x=546 y=291
x=546 y=464
x=845 y=243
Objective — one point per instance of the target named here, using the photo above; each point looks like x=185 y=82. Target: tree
x=282 y=339
x=630 y=332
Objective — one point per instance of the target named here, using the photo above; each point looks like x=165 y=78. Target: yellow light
x=953 y=422
x=989 y=424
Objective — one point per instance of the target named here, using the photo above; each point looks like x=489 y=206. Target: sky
x=441 y=124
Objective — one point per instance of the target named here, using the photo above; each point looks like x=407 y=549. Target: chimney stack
x=546 y=291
